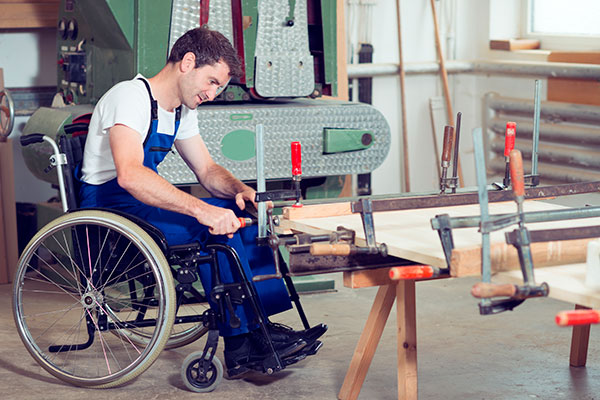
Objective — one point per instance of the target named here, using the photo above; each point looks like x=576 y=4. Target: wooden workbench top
x=408 y=233
x=566 y=283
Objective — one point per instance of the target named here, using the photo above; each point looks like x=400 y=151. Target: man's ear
x=188 y=62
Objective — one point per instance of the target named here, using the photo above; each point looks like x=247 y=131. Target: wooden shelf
x=23 y=14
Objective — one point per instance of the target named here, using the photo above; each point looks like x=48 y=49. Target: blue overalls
x=183 y=229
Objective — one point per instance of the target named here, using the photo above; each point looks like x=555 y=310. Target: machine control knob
x=72 y=29
x=62 y=28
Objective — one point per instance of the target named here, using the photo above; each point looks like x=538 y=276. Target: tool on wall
x=444 y=76
x=534 y=179
x=451 y=143
x=405 y=164
x=446 y=153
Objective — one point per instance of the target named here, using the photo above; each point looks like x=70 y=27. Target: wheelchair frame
x=105 y=271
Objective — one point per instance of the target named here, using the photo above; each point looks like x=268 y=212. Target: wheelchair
x=115 y=294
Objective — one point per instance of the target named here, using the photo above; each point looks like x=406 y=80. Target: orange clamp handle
x=411 y=272
x=577 y=317
x=448 y=139
x=244 y=222
x=296 y=159
x=509 y=137
x=482 y=290
x=516 y=173
x=330 y=249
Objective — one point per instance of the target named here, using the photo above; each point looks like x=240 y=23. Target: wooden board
x=579 y=91
x=28 y=13
x=408 y=233
x=515 y=44
x=8 y=210
x=566 y=283
x=504 y=257
x=9 y=251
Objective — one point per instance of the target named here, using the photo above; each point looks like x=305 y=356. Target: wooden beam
x=579 y=342
x=504 y=257
x=368 y=278
x=16 y=14
x=317 y=211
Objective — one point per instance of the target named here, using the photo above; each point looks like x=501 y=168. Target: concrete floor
x=461 y=355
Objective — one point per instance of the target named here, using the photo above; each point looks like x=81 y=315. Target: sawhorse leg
x=404 y=292
x=579 y=342
x=407 y=340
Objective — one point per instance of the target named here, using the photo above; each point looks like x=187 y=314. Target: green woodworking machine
x=289 y=53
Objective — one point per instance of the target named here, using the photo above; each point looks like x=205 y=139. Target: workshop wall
x=464 y=28
x=465 y=31
x=28 y=58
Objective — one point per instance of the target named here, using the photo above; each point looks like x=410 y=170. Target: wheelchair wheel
x=82 y=276
x=198 y=379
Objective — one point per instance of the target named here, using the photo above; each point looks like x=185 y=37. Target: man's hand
x=221 y=221
x=249 y=195
x=241 y=198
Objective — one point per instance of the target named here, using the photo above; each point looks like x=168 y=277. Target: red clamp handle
x=296 y=159
x=411 y=272
x=244 y=222
x=577 y=317
x=509 y=137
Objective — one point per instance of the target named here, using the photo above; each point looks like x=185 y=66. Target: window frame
x=553 y=41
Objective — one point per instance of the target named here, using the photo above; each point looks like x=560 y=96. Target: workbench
x=408 y=235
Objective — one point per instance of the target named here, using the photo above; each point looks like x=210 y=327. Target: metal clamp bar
x=433 y=201
x=260 y=180
x=480 y=171
x=504 y=220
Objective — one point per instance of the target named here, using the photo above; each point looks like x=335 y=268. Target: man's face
x=204 y=83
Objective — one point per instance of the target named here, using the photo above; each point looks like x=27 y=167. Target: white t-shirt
x=126 y=103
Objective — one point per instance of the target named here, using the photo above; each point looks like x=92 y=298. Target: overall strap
x=153 y=110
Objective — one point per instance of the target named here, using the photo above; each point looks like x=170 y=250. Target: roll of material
x=592 y=273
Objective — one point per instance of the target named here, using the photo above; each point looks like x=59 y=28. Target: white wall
x=461 y=38
x=28 y=59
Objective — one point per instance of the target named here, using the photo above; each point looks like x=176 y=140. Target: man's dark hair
x=209 y=47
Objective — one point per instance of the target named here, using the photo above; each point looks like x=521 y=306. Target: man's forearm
x=221 y=183
x=150 y=188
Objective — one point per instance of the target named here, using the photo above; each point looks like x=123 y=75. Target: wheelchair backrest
x=72 y=145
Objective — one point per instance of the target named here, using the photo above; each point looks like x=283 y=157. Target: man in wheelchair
x=133 y=127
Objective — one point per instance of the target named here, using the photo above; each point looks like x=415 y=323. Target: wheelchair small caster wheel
x=196 y=378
